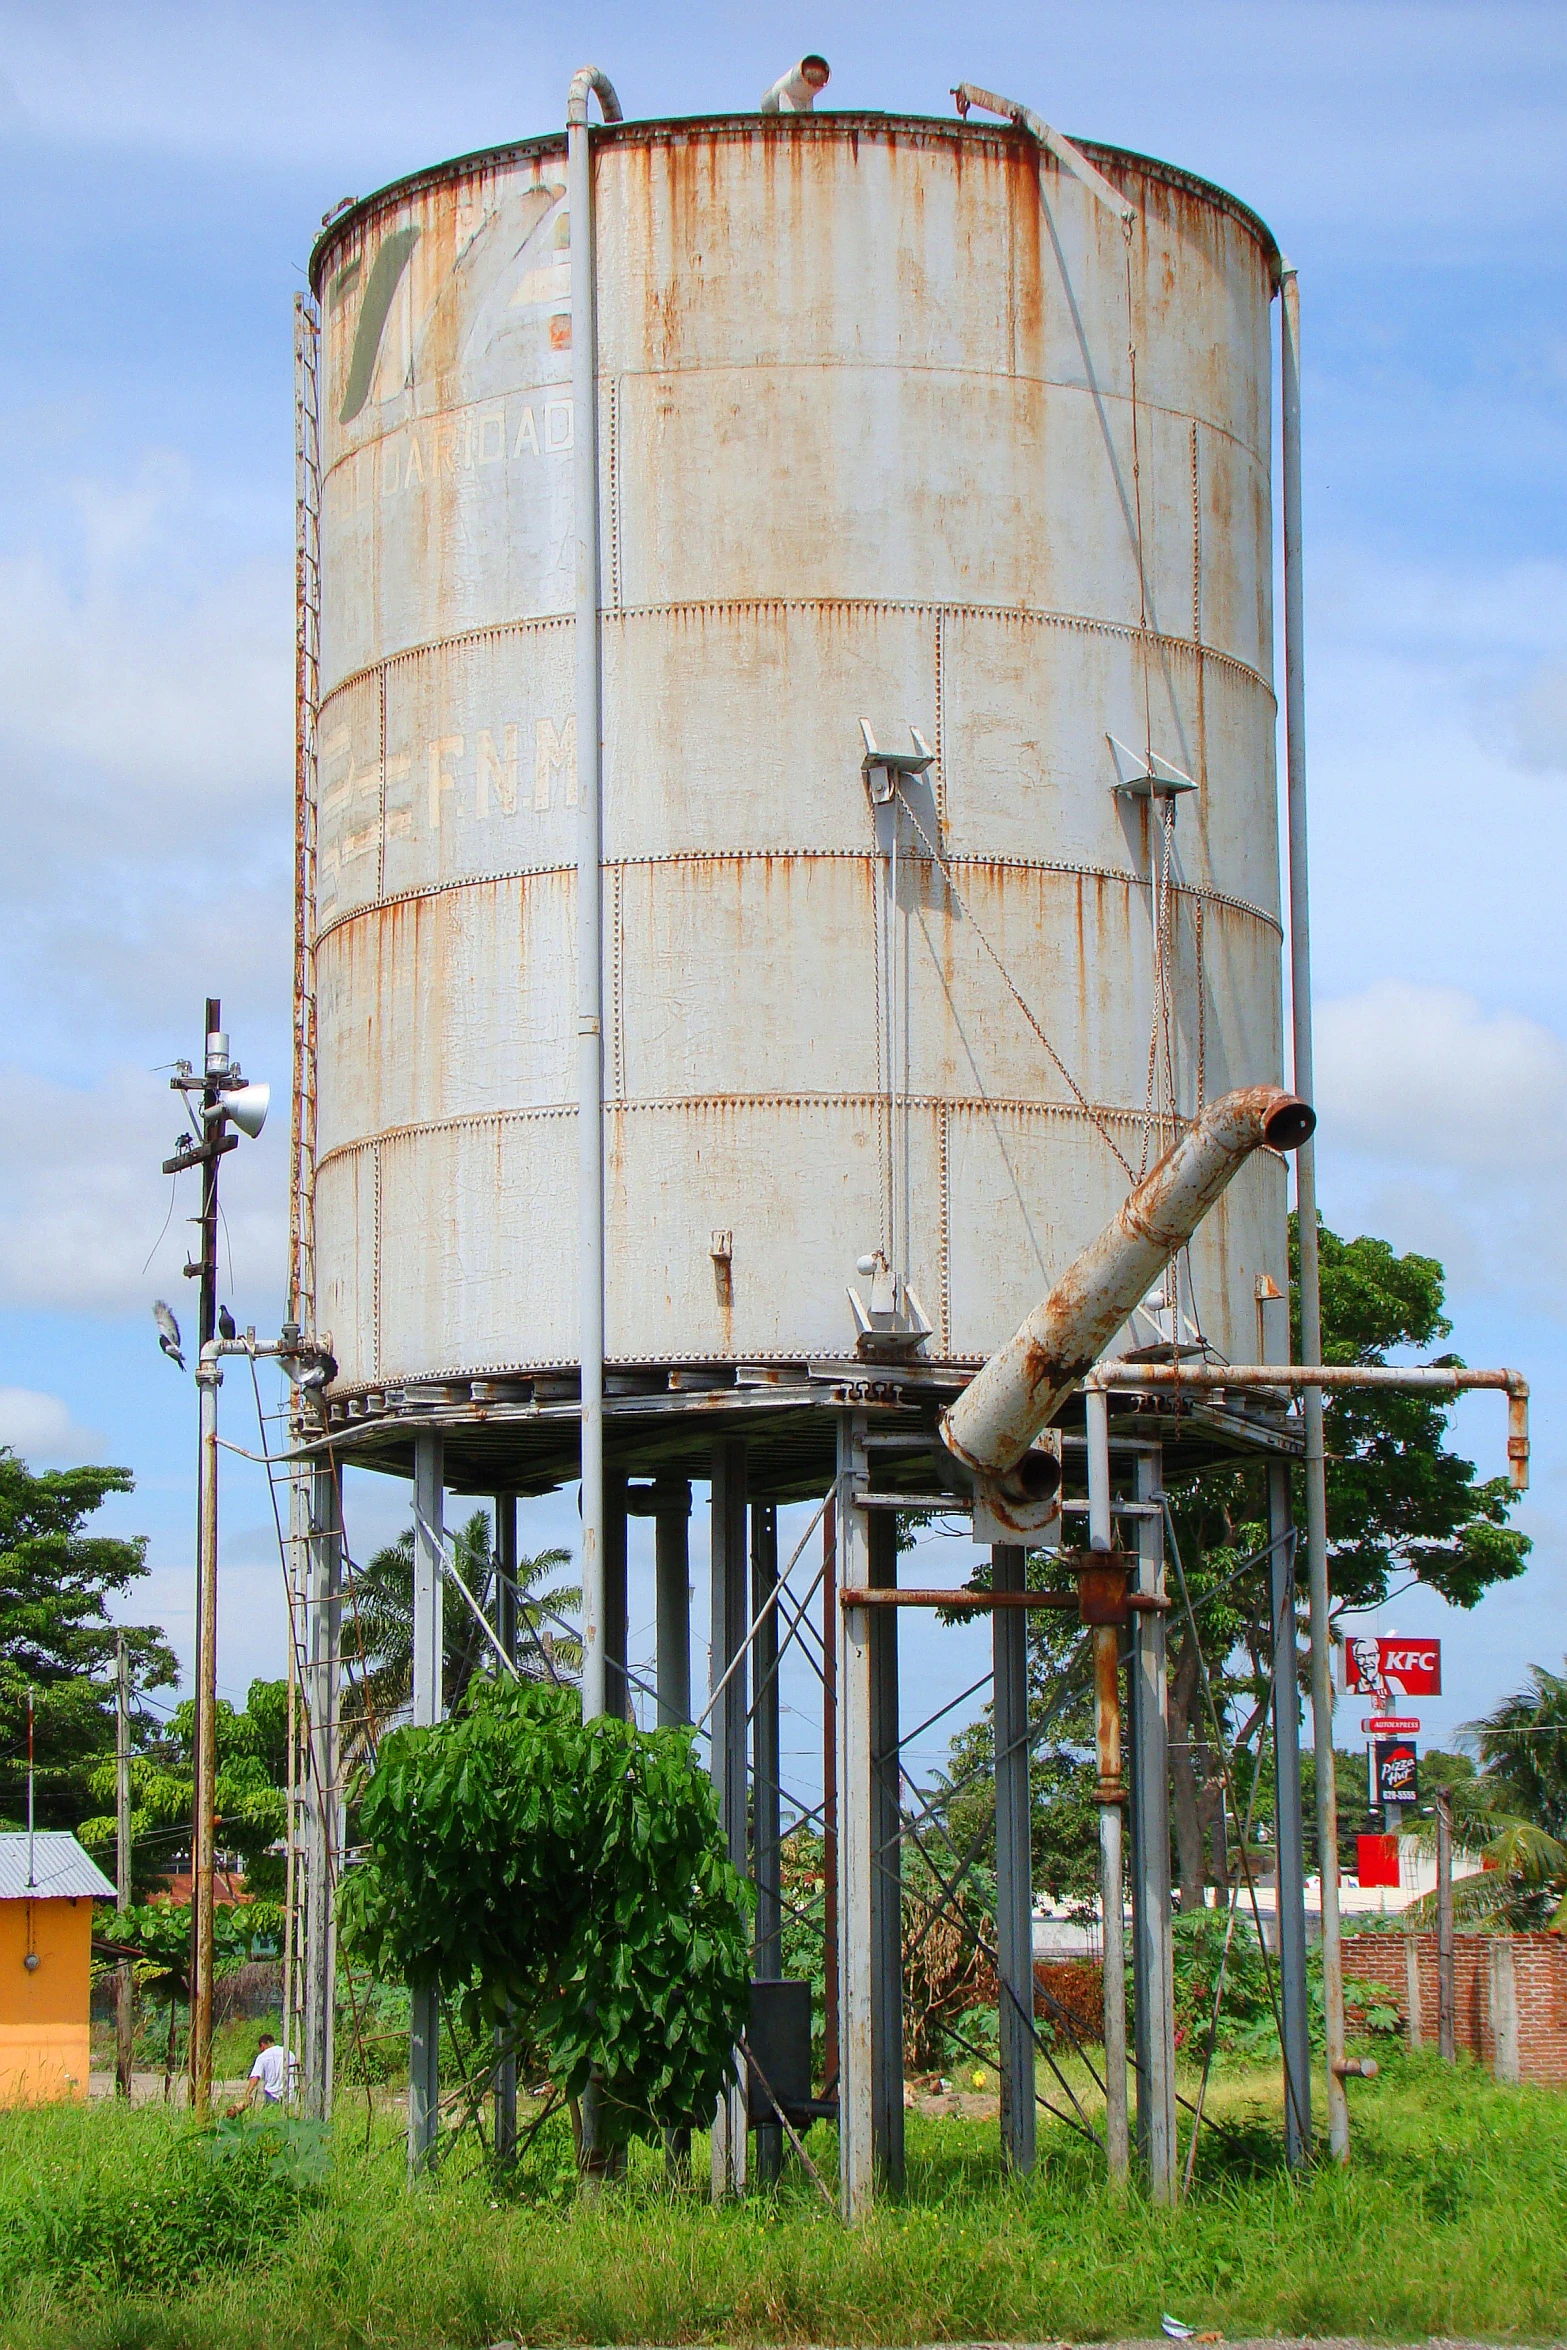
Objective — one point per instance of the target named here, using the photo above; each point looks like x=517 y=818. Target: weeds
x=118 y=2230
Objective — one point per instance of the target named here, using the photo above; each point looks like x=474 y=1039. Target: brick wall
x=1510 y=1995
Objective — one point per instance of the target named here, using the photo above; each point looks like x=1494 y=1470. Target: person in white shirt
x=273 y=2074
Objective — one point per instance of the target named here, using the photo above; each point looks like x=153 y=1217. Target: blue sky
x=162 y=174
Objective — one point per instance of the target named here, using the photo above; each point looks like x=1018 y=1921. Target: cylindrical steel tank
x=897 y=423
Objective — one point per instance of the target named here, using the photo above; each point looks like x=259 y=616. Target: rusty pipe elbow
x=592 y=79
x=1023 y=1386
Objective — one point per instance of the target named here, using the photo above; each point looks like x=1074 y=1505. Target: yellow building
x=47 y=1890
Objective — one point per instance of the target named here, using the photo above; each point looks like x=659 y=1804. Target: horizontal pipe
x=976 y=1602
x=1023 y=1386
x=1341 y=1378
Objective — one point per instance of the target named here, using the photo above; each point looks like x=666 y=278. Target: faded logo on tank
x=401 y=322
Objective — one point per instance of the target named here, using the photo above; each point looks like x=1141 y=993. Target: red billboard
x=1393 y=1667
x=1378 y=1859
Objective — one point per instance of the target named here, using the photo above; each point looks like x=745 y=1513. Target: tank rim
x=860 y=123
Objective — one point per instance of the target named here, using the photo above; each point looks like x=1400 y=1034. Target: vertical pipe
x=1446 y=2006
x=672 y=1578
x=590 y=852
x=766 y=1801
x=728 y=1725
x=424 y=2086
x=1097 y=1413
x=1153 y=1958
x=1306 y=1202
x=1107 y=1739
x=830 y=1799
x=1014 y=1869
x=298 y=1568
x=122 y=1859
x=506 y=1633
x=1288 y=1827
x=856 y=1862
x=886 y=1913
x=617 y=1688
x=204 y=1806
x=324 y=1621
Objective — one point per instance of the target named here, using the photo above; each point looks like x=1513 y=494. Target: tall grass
x=1447 y=2222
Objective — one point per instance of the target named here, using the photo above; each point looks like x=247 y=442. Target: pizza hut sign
x=1393 y=1667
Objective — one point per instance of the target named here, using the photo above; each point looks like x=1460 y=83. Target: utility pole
x=221 y=1094
x=1446 y=2020
x=122 y=1859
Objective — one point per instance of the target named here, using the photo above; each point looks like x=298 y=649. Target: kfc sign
x=1393 y=1668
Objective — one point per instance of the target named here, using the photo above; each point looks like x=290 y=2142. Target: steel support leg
x=672 y=1577
x=1152 y=1958
x=323 y=1799
x=1107 y=1734
x=728 y=1725
x=765 y=1799
x=506 y=1633
x=672 y=1609
x=428 y=1707
x=887 y=1867
x=1289 y=1828
x=856 y=1864
x=1014 y=1865
x=617 y=1689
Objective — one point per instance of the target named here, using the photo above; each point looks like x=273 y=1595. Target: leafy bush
x=150 y=2217
x=569 y=1882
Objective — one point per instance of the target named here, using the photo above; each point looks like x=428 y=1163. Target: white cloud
x=1445 y=1126
x=40 y=1428
x=1423 y=1075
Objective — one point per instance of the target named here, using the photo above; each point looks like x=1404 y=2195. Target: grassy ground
x=121 y=2229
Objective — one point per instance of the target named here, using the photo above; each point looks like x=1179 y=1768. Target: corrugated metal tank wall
x=868 y=448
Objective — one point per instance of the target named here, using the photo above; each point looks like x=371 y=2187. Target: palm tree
x=378 y=1628
x=1516 y=1811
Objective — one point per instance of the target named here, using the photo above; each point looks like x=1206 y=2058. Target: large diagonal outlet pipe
x=1023 y=1386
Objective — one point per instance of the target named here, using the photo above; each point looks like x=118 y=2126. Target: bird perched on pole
x=225 y=1323
x=168 y=1332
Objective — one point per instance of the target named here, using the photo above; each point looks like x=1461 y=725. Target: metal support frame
x=766 y=1800
x=1446 y=2004
x=506 y=1634
x=1014 y=1864
x=886 y=1906
x=323 y=1794
x=428 y=1708
x=856 y=1863
x=728 y=1680
x=1289 y=1827
x=830 y=1973
x=672 y=1599
x=1153 y=1976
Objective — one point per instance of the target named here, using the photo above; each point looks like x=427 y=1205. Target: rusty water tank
x=896 y=424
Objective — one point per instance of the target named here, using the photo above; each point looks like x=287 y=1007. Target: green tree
x=252 y=1791
x=565 y=1880
x=57 y=1639
x=379 y=1626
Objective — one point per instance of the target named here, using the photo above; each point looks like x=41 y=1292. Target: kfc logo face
x=1393 y=1668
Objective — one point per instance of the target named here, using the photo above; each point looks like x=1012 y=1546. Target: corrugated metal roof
x=61 y=1869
